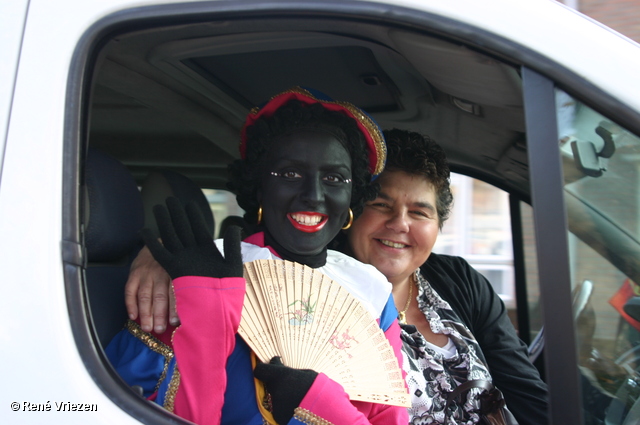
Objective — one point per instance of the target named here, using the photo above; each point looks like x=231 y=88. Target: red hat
x=370 y=130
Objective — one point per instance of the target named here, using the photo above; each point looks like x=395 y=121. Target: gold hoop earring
x=259 y=214
x=346 y=226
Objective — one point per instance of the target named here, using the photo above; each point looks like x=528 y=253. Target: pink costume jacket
x=203 y=371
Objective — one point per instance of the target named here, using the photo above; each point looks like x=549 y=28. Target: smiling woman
x=398 y=229
x=454 y=327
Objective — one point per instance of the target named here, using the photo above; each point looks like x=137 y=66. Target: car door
x=14 y=16
x=136 y=75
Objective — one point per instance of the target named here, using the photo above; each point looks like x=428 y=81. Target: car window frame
x=547 y=195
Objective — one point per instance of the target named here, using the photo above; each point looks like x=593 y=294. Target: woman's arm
x=473 y=299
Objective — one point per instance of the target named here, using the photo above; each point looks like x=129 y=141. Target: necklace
x=402 y=315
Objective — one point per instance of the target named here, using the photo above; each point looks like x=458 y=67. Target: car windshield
x=601 y=164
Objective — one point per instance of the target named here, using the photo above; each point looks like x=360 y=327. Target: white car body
x=40 y=39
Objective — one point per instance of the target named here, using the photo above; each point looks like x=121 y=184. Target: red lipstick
x=318 y=219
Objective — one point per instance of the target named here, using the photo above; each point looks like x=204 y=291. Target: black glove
x=286 y=385
x=188 y=247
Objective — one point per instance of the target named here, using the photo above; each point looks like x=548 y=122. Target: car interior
x=165 y=98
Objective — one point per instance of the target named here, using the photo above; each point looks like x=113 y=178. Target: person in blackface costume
x=305 y=173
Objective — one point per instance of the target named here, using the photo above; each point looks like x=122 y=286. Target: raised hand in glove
x=187 y=248
x=286 y=385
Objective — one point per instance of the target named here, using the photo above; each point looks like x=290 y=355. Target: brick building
x=621 y=15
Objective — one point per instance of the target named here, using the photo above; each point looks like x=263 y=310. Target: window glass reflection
x=601 y=163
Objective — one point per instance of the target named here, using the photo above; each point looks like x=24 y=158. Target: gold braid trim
x=309 y=418
x=149 y=340
x=374 y=133
x=170 y=397
x=155 y=345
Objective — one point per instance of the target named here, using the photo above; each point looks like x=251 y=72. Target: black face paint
x=306 y=191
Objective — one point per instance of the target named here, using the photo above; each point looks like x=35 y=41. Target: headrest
x=162 y=184
x=114 y=214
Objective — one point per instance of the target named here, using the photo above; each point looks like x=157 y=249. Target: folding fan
x=312 y=322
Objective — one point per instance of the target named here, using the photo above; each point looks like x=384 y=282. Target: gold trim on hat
x=372 y=128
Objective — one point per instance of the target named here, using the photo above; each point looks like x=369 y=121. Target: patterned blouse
x=431 y=374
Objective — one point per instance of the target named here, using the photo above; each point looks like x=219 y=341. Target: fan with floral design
x=312 y=322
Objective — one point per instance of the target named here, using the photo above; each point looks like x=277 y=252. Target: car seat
x=162 y=184
x=113 y=217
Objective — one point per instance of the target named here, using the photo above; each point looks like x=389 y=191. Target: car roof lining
x=148 y=66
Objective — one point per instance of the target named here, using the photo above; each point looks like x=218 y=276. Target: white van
x=530 y=97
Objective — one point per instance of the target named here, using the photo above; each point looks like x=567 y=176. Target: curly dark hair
x=418 y=154
x=245 y=174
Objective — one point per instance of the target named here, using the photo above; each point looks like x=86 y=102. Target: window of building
x=479 y=230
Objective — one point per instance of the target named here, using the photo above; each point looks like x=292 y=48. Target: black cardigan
x=473 y=299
